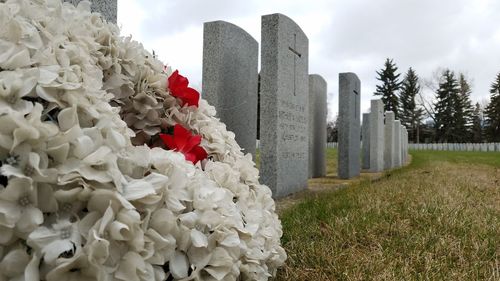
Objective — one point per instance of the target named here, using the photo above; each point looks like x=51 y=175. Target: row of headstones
x=293 y=104
x=385 y=140
x=492 y=146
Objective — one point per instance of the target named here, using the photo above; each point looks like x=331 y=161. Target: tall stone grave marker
x=397 y=144
x=284 y=105
x=349 y=125
x=365 y=137
x=107 y=8
x=389 y=141
x=230 y=57
x=317 y=126
x=377 y=136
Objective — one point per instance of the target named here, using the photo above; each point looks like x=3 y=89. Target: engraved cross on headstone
x=296 y=54
x=356 y=113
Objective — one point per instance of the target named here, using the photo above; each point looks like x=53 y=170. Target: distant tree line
x=451 y=117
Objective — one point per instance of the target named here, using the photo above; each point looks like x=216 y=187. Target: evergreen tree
x=410 y=114
x=444 y=107
x=389 y=87
x=332 y=130
x=462 y=111
x=477 y=125
x=492 y=112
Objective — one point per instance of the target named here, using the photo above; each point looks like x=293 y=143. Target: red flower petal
x=191 y=157
x=177 y=83
x=200 y=153
x=178 y=87
x=185 y=142
x=191 y=97
x=193 y=142
x=168 y=140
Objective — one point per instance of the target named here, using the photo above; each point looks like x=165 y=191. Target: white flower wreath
x=81 y=196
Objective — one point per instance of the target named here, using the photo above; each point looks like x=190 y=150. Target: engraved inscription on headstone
x=230 y=57
x=284 y=106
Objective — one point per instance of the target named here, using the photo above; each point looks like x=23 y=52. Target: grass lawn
x=437 y=219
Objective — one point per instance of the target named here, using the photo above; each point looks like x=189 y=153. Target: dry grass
x=438 y=219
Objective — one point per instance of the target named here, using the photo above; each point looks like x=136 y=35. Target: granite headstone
x=377 y=136
x=317 y=126
x=397 y=144
x=230 y=58
x=365 y=137
x=389 y=141
x=284 y=105
x=349 y=125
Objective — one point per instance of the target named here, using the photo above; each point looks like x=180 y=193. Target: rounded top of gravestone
x=274 y=19
x=349 y=76
x=317 y=78
x=230 y=28
x=389 y=115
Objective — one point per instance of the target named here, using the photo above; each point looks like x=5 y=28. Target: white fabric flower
x=60 y=239
x=18 y=206
x=14 y=86
x=76 y=268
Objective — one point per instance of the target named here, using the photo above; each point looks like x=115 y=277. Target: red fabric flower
x=186 y=143
x=178 y=86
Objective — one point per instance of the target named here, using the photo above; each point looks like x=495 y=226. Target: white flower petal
x=231 y=239
x=83 y=146
x=179 y=265
x=199 y=239
x=9 y=213
x=218 y=272
x=67 y=118
x=30 y=219
x=48 y=74
x=14 y=262
x=59 y=153
x=98 y=250
x=137 y=189
x=119 y=231
x=53 y=250
x=31 y=272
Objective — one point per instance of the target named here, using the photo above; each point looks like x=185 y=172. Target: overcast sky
x=344 y=36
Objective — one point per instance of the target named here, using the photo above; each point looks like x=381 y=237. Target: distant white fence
x=328 y=144
x=331 y=145
x=492 y=146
